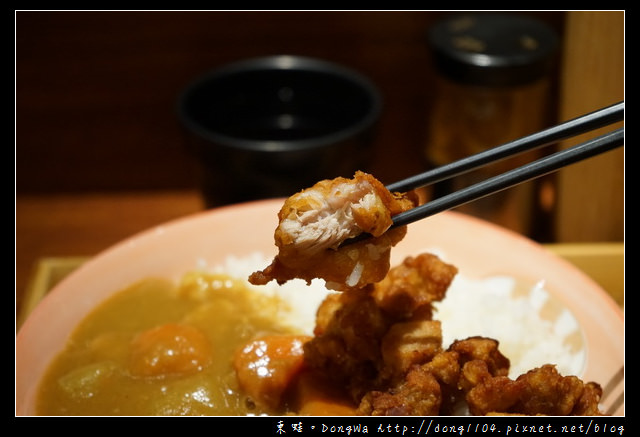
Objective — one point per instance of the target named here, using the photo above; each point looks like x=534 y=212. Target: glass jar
x=492 y=87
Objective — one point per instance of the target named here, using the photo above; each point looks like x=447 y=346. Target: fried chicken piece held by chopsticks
x=314 y=222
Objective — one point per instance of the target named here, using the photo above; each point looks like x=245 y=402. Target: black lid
x=493 y=48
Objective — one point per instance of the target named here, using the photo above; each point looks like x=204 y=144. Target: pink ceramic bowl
x=477 y=248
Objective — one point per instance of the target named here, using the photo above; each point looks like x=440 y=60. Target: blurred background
x=99 y=151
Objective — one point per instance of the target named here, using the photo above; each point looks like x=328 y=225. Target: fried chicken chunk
x=473 y=372
x=347 y=337
x=413 y=285
x=314 y=222
x=381 y=346
x=364 y=339
x=437 y=384
x=418 y=395
x=540 y=391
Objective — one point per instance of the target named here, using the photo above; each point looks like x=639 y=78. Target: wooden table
x=55 y=233
x=82 y=225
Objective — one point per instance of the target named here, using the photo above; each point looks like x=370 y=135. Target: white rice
x=494 y=307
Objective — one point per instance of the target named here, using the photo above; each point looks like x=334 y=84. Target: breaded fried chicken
x=414 y=285
x=437 y=384
x=418 y=395
x=540 y=391
x=365 y=339
x=314 y=222
x=376 y=339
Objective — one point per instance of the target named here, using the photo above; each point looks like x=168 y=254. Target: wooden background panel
x=96 y=91
x=96 y=94
x=590 y=203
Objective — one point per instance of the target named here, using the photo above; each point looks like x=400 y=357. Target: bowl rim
x=282 y=62
x=580 y=291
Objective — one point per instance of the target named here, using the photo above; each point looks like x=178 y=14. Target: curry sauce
x=160 y=348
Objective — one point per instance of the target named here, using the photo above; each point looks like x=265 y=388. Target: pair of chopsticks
x=535 y=169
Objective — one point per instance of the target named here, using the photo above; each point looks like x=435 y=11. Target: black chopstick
x=513 y=177
x=585 y=123
x=535 y=169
